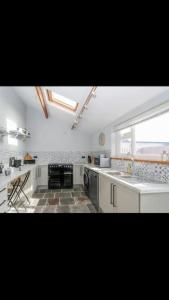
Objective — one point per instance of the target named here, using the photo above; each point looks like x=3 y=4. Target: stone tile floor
x=56 y=201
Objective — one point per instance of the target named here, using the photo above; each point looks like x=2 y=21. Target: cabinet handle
x=114 y=197
x=111 y=194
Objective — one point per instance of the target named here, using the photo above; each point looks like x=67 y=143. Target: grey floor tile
x=76 y=194
x=57 y=194
x=66 y=201
x=67 y=190
x=83 y=194
x=78 y=188
x=65 y=195
x=43 y=191
x=39 y=209
x=38 y=195
x=49 y=195
x=79 y=209
x=42 y=202
x=50 y=209
x=63 y=209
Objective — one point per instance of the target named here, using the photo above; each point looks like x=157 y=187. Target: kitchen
x=84 y=149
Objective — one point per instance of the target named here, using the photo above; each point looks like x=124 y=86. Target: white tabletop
x=5 y=180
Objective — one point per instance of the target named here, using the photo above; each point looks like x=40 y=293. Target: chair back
x=14 y=188
x=25 y=179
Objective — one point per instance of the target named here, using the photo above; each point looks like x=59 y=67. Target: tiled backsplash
x=97 y=153
x=45 y=157
x=156 y=172
x=5 y=155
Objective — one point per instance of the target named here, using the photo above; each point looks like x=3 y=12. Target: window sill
x=143 y=160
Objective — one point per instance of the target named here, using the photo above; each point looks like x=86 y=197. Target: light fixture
x=84 y=107
x=94 y=94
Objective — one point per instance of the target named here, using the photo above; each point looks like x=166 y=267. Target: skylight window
x=62 y=101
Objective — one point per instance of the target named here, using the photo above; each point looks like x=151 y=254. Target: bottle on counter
x=129 y=169
x=164 y=156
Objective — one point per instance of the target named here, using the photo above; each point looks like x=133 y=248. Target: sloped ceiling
x=109 y=104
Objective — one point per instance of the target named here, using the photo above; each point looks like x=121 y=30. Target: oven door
x=67 y=179
x=54 y=172
x=54 y=183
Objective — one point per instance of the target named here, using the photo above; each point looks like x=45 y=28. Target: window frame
x=118 y=141
x=60 y=102
x=133 y=154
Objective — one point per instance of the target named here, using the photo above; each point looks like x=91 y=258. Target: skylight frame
x=61 y=103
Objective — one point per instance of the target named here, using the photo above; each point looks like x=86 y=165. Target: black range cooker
x=60 y=176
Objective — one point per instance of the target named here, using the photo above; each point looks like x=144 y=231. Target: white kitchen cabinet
x=125 y=199
x=42 y=175
x=78 y=171
x=34 y=182
x=3 y=200
x=106 y=195
x=154 y=203
x=114 y=198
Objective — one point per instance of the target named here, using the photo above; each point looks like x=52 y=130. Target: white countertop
x=5 y=180
x=141 y=187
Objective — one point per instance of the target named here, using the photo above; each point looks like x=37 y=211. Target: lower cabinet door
x=106 y=195
x=126 y=200
x=78 y=174
x=42 y=175
x=114 y=198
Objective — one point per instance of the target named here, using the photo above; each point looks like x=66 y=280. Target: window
x=147 y=139
x=125 y=141
x=62 y=101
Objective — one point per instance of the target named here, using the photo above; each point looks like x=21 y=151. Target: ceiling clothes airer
x=84 y=107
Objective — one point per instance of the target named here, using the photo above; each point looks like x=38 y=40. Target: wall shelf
x=3 y=131
x=18 y=133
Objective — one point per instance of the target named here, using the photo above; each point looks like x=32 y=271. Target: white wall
x=54 y=135
x=14 y=110
x=95 y=140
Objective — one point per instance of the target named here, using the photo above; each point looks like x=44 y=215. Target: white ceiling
x=110 y=103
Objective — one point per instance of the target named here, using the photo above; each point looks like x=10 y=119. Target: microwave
x=102 y=162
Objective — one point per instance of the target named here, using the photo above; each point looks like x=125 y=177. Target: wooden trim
x=60 y=103
x=42 y=100
x=143 y=160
